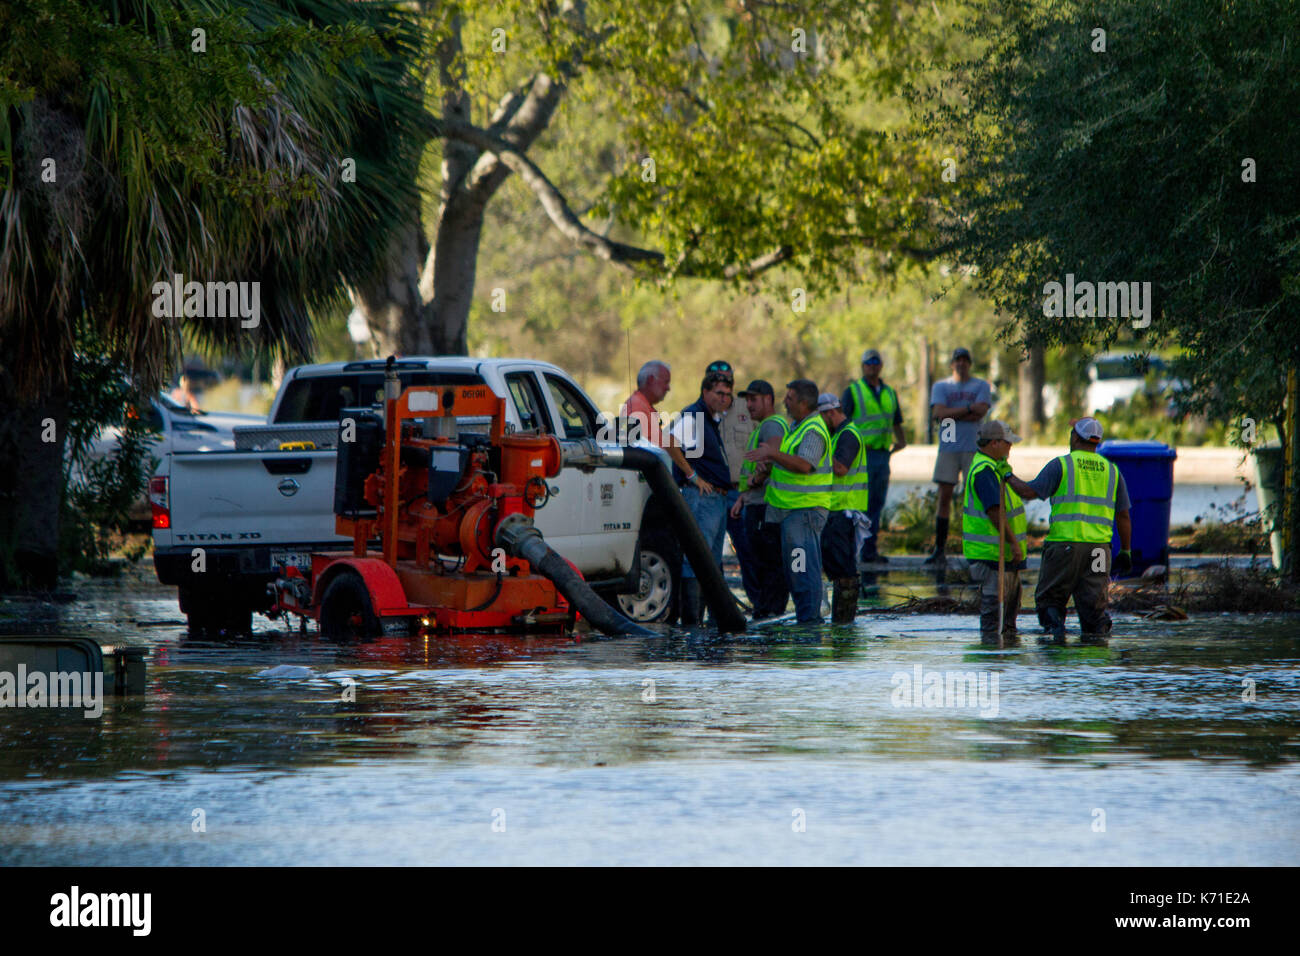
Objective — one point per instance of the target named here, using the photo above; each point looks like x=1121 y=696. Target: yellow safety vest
x=849 y=493
x=979 y=534
x=789 y=489
x=874 y=418
x=1083 y=505
x=747 y=467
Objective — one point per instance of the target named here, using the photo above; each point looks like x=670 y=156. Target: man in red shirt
x=652 y=385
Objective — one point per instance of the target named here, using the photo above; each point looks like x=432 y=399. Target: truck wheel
x=346 y=613
x=214 y=614
x=655 y=599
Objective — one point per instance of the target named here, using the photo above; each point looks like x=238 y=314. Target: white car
x=177 y=429
x=1118 y=376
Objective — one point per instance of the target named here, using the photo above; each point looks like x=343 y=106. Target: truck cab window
x=577 y=417
x=527 y=399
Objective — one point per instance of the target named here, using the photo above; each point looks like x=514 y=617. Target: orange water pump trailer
x=439 y=504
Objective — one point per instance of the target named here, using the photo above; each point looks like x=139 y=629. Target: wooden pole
x=1002 y=555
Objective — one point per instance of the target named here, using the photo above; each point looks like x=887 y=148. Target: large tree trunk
x=391 y=303
x=455 y=266
x=409 y=317
x=30 y=489
x=421 y=301
x=1031 y=376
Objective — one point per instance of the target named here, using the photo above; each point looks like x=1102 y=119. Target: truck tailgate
x=253 y=498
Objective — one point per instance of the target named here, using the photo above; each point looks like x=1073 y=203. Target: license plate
x=299 y=559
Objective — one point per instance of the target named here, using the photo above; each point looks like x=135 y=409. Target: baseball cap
x=959 y=353
x=871 y=355
x=757 y=387
x=994 y=430
x=826 y=401
x=720 y=368
x=1089 y=429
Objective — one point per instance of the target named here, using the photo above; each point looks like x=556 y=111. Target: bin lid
x=1122 y=448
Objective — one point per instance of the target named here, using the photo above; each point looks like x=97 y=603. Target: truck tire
x=655 y=600
x=214 y=614
x=346 y=611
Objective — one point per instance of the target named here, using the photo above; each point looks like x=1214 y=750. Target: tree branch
x=630 y=258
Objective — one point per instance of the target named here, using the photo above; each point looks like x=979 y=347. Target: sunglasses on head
x=718 y=367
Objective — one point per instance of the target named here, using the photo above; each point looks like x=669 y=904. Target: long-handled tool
x=1002 y=555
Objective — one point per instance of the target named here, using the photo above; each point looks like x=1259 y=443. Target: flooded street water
x=786 y=745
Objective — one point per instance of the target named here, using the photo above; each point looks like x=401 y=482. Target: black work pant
x=838 y=557
x=771 y=592
x=1066 y=571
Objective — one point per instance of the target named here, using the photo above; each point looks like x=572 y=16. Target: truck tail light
x=160 y=503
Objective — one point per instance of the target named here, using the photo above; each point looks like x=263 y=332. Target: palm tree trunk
x=30 y=490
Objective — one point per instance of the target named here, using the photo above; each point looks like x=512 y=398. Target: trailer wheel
x=346 y=612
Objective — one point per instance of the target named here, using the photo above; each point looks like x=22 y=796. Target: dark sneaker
x=1010 y=639
x=1052 y=637
x=936 y=558
x=1095 y=640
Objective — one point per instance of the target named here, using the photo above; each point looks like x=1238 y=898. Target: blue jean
x=802 y=528
x=739 y=532
x=877 y=490
x=710 y=513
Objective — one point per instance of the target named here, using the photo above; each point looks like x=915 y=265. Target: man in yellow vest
x=765 y=584
x=798 y=496
x=1089 y=502
x=990 y=503
x=848 y=499
x=874 y=408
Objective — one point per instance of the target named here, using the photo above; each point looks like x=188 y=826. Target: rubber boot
x=938 y=556
x=844 y=600
x=1055 y=630
x=690 y=602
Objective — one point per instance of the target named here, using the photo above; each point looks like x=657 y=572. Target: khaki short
x=949 y=463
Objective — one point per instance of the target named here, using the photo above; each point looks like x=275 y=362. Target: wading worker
x=986 y=501
x=958 y=404
x=736 y=428
x=798 y=496
x=848 y=498
x=705 y=479
x=873 y=407
x=1089 y=502
x=768 y=592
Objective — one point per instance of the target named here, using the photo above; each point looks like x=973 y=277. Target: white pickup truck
x=270 y=502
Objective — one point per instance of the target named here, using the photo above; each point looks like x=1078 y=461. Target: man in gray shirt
x=958 y=404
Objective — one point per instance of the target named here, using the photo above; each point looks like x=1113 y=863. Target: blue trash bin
x=1148 y=470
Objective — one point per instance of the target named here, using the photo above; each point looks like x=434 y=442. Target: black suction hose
x=521 y=540
x=726 y=613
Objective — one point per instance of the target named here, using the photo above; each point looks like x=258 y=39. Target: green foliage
x=1148 y=416
x=222 y=164
x=734 y=131
x=908 y=525
x=1127 y=165
x=99 y=492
